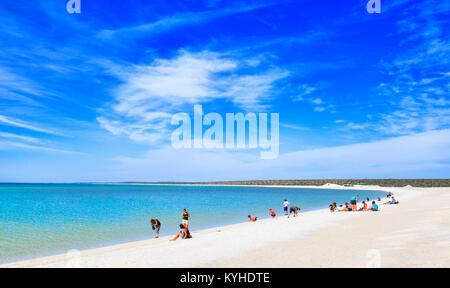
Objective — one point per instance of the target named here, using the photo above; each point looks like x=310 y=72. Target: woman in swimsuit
x=185 y=218
x=184 y=233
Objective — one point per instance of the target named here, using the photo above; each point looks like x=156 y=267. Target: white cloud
x=293 y=126
x=177 y=20
x=19 y=137
x=143 y=104
x=304 y=90
x=13 y=145
x=21 y=124
x=13 y=82
x=418 y=72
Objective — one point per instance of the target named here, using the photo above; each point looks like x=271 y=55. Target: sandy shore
x=415 y=233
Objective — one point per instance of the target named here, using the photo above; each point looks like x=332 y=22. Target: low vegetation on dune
x=344 y=182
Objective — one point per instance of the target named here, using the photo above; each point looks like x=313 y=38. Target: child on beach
x=285 y=207
x=251 y=218
x=156 y=225
x=364 y=208
x=374 y=206
x=272 y=213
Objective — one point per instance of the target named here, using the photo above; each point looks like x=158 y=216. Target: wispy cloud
x=19 y=137
x=143 y=104
x=177 y=20
x=13 y=82
x=21 y=124
x=417 y=71
x=13 y=145
x=306 y=93
x=293 y=126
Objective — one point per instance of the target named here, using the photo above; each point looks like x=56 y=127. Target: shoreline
x=222 y=244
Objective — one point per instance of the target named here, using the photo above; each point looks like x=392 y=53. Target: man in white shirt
x=285 y=207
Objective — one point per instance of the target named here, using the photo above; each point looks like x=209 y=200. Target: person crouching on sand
x=185 y=218
x=251 y=218
x=156 y=225
x=272 y=213
x=294 y=210
x=184 y=233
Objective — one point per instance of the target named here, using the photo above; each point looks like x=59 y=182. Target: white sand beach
x=415 y=233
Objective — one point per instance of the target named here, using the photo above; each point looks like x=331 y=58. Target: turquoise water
x=45 y=219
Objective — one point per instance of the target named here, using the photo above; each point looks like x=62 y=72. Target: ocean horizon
x=39 y=220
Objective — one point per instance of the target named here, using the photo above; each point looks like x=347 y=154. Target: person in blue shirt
x=374 y=206
x=354 y=202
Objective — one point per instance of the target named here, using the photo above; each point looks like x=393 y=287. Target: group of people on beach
x=286 y=208
x=353 y=206
x=184 y=226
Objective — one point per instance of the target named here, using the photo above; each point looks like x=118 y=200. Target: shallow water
x=46 y=219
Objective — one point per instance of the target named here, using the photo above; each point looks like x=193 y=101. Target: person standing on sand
x=354 y=203
x=156 y=225
x=185 y=218
x=285 y=207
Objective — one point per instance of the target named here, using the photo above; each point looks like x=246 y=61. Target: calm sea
x=45 y=219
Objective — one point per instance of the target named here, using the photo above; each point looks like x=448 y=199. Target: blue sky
x=88 y=97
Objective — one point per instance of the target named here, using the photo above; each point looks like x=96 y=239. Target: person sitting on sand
x=364 y=208
x=333 y=207
x=251 y=218
x=346 y=208
x=272 y=213
x=294 y=210
x=379 y=199
x=392 y=201
x=184 y=233
x=374 y=206
x=156 y=225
